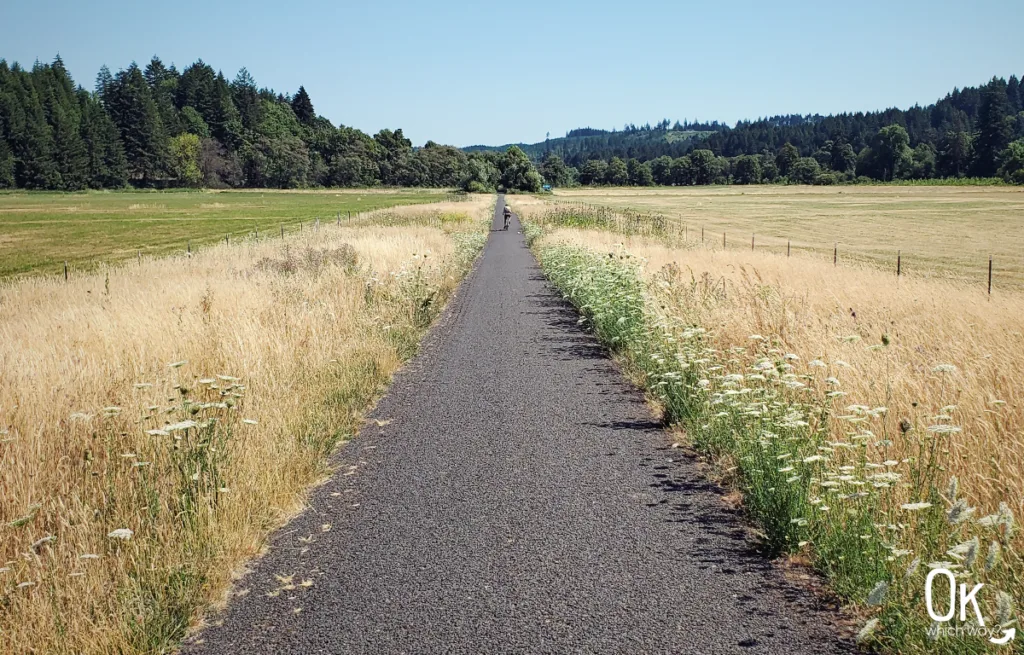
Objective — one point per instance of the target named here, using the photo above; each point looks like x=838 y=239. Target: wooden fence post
x=188 y=247
x=282 y=230
x=723 y=240
x=899 y=262
x=65 y=271
x=789 y=246
x=835 y=254
x=990 y=276
x=751 y=243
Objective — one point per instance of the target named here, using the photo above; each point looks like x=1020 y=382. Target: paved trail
x=519 y=498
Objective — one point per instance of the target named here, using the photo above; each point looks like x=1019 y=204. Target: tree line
x=160 y=127
x=973 y=132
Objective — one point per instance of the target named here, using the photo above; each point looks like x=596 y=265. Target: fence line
x=630 y=221
x=255 y=235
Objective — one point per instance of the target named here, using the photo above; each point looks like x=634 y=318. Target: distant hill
x=643 y=143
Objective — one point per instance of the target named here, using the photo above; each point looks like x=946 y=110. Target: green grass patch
x=41 y=231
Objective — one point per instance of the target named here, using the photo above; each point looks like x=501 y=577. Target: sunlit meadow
x=157 y=420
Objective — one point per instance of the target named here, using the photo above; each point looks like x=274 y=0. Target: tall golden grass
x=813 y=308
x=158 y=420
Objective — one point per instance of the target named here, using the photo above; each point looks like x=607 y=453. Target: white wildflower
x=994 y=554
x=1004 y=608
x=913 y=507
x=877 y=595
x=867 y=633
x=183 y=425
x=121 y=533
x=912 y=569
x=952 y=489
x=959 y=512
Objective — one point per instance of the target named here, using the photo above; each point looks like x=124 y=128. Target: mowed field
x=40 y=231
x=947 y=231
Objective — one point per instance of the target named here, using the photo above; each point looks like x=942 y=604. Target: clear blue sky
x=465 y=73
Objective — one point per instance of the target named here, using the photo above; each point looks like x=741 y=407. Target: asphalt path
x=513 y=493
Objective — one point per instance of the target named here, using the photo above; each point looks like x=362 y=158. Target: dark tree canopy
x=156 y=126
x=966 y=133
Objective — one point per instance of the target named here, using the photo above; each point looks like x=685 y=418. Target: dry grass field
x=950 y=231
x=158 y=420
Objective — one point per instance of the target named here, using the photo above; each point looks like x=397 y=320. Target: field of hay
x=41 y=231
x=876 y=428
x=158 y=420
x=943 y=231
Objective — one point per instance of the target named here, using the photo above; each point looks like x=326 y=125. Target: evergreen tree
x=994 y=129
x=246 y=99
x=6 y=166
x=107 y=166
x=197 y=89
x=133 y=110
x=104 y=80
x=955 y=154
x=1013 y=95
x=64 y=116
x=31 y=136
x=226 y=123
x=303 y=107
x=163 y=84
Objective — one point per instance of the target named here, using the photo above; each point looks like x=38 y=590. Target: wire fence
x=658 y=225
x=378 y=215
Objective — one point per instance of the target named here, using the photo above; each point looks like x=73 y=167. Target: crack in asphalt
x=513 y=493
